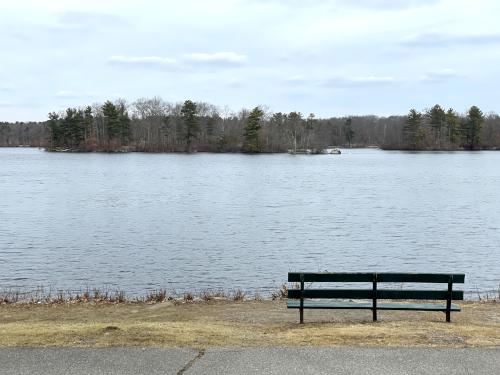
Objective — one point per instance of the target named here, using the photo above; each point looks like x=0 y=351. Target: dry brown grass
x=251 y=323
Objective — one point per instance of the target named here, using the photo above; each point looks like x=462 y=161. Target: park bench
x=317 y=298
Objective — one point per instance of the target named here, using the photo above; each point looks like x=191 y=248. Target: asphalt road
x=126 y=361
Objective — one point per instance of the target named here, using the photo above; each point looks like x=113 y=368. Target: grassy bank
x=247 y=323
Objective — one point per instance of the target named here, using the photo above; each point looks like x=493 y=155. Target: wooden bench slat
x=330 y=305
x=417 y=306
x=368 y=306
x=390 y=277
x=331 y=293
x=419 y=294
x=393 y=277
x=310 y=277
x=381 y=294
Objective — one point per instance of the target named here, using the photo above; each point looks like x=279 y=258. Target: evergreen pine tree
x=348 y=131
x=251 y=134
x=452 y=124
x=189 y=114
x=124 y=121
x=55 y=133
x=473 y=125
x=111 y=121
x=437 y=117
x=413 y=134
x=88 y=121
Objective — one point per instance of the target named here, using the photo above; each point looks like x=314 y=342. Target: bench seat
x=368 y=306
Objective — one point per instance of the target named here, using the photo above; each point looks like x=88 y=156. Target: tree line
x=154 y=125
x=437 y=129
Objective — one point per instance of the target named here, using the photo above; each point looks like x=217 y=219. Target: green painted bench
x=303 y=298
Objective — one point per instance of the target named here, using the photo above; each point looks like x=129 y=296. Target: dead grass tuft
x=154 y=296
x=281 y=293
x=238 y=295
x=257 y=296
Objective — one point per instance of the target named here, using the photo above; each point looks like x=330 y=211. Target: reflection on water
x=144 y=221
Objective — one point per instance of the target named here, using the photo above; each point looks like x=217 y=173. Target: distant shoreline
x=383 y=148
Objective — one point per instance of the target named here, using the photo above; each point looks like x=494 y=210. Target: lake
x=206 y=221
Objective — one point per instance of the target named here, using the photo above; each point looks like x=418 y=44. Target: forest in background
x=154 y=125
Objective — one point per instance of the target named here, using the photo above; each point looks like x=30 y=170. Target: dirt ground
x=237 y=324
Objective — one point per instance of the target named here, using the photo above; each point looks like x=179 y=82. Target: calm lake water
x=192 y=222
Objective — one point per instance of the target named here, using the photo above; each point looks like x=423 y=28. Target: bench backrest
x=375 y=279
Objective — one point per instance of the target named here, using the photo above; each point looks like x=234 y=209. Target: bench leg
x=448 y=299
x=301 y=298
x=374 y=301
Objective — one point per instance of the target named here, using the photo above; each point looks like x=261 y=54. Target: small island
x=154 y=125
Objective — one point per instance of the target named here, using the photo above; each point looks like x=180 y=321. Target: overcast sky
x=339 y=57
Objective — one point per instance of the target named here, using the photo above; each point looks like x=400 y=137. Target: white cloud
x=434 y=39
x=439 y=75
x=295 y=80
x=143 y=61
x=360 y=4
x=385 y=4
x=358 y=81
x=89 y=20
x=217 y=58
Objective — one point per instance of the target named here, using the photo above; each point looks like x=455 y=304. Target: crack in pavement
x=200 y=354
